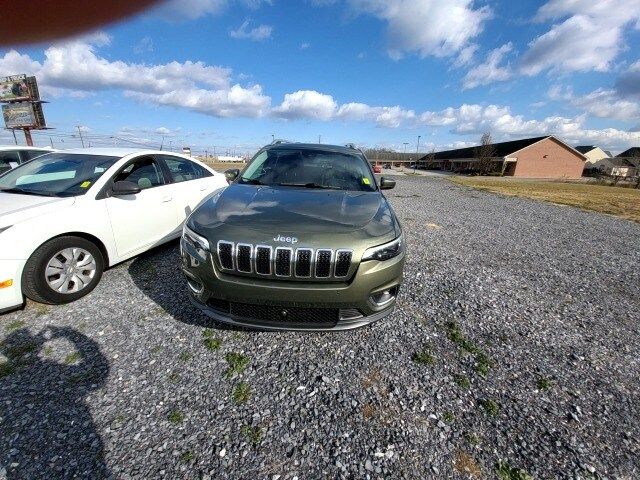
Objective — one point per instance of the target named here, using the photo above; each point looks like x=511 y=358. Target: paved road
x=524 y=316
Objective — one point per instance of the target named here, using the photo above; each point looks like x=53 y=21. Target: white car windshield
x=56 y=175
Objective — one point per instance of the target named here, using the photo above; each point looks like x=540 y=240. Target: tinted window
x=30 y=154
x=183 y=170
x=310 y=168
x=57 y=174
x=145 y=172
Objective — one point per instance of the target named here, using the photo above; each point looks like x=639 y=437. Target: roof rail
x=279 y=141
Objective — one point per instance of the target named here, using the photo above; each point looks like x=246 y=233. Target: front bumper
x=11 y=297
x=351 y=297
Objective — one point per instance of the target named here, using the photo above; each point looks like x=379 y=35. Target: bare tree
x=484 y=154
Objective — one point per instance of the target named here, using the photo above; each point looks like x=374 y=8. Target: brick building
x=539 y=157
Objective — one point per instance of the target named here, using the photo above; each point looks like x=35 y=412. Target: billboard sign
x=18 y=88
x=23 y=115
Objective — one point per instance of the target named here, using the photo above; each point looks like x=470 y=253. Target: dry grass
x=465 y=464
x=222 y=166
x=621 y=202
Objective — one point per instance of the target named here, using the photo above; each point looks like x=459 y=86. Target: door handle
x=166 y=199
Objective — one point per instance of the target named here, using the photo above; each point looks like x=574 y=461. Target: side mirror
x=387 y=183
x=231 y=174
x=125 y=187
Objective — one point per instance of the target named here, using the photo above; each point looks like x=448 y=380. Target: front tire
x=62 y=270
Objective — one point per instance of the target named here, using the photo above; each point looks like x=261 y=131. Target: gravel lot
x=515 y=345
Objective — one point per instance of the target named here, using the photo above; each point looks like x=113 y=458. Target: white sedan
x=67 y=215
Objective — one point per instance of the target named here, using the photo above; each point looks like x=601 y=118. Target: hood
x=16 y=208
x=295 y=211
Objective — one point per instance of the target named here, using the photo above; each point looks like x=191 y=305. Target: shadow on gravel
x=157 y=273
x=46 y=428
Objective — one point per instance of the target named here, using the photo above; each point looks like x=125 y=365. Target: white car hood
x=15 y=208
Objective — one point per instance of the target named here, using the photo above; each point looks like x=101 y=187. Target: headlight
x=386 y=251
x=198 y=241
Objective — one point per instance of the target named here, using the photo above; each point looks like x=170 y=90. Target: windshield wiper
x=306 y=185
x=27 y=192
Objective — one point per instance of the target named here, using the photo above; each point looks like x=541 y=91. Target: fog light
x=384 y=297
x=6 y=283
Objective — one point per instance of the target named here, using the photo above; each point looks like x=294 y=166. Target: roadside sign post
x=22 y=107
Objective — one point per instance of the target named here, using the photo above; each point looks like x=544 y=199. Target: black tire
x=34 y=282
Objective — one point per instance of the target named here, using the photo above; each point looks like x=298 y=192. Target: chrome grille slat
x=282 y=261
x=265 y=260
x=323 y=262
x=304 y=262
x=244 y=253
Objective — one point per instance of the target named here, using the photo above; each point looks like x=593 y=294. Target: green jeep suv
x=301 y=239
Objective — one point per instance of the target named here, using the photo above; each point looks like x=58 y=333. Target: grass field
x=222 y=166
x=621 y=202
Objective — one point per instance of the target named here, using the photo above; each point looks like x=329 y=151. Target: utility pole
x=273 y=137
x=80 y=133
x=206 y=154
x=415 y=164
x=162 y=143
x=170 y=147
x=404 y=157
x=319 y=138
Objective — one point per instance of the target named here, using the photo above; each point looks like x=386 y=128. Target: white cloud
x=304 y=46
x=466 y=55
x=144 y=45
x=173 y=10
x=588 y=37
x=490 y=71
x=75 y=68
x=389 y=117
x=475 y=119
x=257 y=34
x=426 y=27
x=306 y=104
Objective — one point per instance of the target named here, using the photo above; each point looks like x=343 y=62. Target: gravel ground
x=515 y=345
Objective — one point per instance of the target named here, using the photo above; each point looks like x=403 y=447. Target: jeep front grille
x=322 y=263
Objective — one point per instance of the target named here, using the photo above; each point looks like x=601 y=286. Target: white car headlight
x=386 y=251
x=198 y=241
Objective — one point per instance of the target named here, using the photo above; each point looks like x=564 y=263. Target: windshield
x=294 y=167
x=56 y=175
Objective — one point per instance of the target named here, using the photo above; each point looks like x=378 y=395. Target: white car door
x=146 y=219
x=192 y=183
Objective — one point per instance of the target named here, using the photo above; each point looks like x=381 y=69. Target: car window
x=294 y=167
x=183 y=170
x=8 y=160
x=57 y=174
x=145 y=172
x=30 y=154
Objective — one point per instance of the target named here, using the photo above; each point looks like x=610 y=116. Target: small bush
x=423 y=356
x=175 y=416
x=507 y=472
x=241 y=393
x=543 y=384
x=490 y=407
x=237 y=363
x=252 y=434
x=462 y=381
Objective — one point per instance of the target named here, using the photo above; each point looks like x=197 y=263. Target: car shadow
x=157 y=273
x=46 y=426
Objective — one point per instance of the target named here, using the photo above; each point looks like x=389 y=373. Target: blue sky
x=230 y=73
